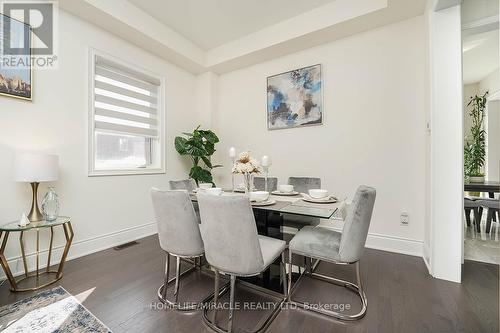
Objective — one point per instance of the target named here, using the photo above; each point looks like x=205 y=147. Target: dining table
x=489 y=186
x=271 y=220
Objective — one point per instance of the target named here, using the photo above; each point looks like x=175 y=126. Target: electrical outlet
x=405 y=218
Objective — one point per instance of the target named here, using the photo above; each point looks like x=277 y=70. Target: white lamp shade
x=35 y=167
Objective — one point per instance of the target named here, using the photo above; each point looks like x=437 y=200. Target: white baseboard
x=95 y=244
x=81 y=248
x=426 y=257
x=388 y=243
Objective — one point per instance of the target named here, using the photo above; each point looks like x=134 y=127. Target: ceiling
x=211 y=23
x=479 y=39
x=480 y=56
x=224 y=35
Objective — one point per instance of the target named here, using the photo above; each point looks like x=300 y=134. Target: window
x=126 y=119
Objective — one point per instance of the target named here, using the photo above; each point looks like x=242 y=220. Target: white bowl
x=318 y=194
x=285 y=188
x=259 y=195
x=205 y=186
x=214 y=191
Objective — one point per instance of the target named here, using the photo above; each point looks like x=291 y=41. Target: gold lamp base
x=35 y=214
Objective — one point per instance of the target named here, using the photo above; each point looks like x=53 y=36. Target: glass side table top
x=14 y=226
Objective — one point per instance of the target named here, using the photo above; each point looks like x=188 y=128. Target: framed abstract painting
x=295 y=98
x=16 y=73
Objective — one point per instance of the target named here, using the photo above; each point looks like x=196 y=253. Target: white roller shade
x=125 y=101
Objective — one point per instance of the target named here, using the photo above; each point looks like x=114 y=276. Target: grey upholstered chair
x=259 y=183
x=304 y=184
x=185 y=184
x=493 y=206
x=301 y=185
x=338 y=248
x=188 y=185
x=472 y=204
x=179 y=235
x=233 y=247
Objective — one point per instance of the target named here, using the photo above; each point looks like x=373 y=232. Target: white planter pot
x=476 y=179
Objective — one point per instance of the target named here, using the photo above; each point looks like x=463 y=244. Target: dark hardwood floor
x=120 y=289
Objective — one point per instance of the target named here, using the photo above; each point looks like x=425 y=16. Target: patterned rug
x=51 y=311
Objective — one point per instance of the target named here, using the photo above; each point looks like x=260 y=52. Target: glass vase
x=50 y=205
x=248 y=178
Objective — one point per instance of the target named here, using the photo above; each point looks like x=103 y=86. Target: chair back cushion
x=259 y=183
x=356 y=225
x=229 y=233
x=304 y=184
x=185 y=184
x=178 y=228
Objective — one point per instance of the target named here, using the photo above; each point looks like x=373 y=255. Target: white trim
x=80 y=248
x=160 y=165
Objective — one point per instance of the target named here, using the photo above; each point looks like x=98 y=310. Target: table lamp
x=34 y=168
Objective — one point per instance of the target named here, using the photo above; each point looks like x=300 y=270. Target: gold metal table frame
x=5 y=230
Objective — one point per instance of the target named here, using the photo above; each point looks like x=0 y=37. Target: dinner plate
x=287 y=194
x=263 y=203
x=328 y=199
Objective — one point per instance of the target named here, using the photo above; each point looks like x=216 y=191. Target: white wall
x=374 y=128
x=490 y=83
x=56 y=122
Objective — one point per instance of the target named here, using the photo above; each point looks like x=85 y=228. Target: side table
x=38 y=279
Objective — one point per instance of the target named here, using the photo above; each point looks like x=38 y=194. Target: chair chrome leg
x=165 y=283
x=357 y=288
x=284 y=276
x=216 y=296
x=289 y=274
x=162 y=291
x=177 y=272
x=231 y=304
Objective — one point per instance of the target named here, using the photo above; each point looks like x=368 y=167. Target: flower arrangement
x=245 y=164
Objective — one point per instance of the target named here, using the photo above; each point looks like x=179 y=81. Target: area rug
x=51 y=311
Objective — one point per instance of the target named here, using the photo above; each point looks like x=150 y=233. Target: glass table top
x=293 y=205
x=322 y=213
x=14 y=226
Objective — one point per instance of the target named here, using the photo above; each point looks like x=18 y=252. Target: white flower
x=244 y=156
x=246 y=164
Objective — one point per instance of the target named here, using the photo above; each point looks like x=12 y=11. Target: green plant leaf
x=180 y=145
x=200 y=175
x=207 y=161
x=209 y=148
x=210 y=136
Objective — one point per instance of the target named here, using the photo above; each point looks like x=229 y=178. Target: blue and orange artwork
x=295 y=99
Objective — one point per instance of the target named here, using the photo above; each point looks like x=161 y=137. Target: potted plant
x=199 y=146
x=475 y=144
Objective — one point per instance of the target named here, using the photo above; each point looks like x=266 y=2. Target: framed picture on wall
x=16 y=72
x=295 y=98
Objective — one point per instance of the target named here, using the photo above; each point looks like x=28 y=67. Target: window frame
x=159 y=167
